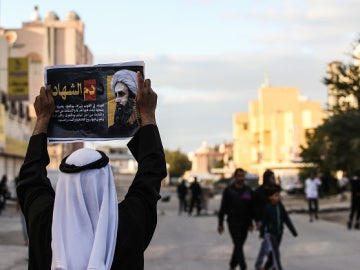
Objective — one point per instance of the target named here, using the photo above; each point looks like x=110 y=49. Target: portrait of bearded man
x=124 y=87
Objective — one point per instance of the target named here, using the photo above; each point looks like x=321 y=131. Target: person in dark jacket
x=4 y=192
x=272 y=227
x=82 y=226
x=196 y=192
x=261 y=194
x=261 y=199
x=237 y=205
x=355 y=201
x=182 y=190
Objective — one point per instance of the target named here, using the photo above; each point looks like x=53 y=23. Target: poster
x=93 y=103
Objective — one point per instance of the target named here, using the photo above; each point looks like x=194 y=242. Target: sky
x=208 y=58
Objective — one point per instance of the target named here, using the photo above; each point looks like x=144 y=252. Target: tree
x=179 y=162
x=344 y=142
x=343 y=82
x=335 y=145
x=316 y=150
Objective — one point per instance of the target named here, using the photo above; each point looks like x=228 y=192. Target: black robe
x=137 y=212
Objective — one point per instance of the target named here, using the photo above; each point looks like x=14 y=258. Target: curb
x=321 y=210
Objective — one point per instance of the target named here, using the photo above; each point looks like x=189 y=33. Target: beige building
x=205 y=158
x=44 y=41
x=211 y=162
x=270 y=134
x=15 y=125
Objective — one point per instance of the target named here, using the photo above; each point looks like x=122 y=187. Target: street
x=183 y=242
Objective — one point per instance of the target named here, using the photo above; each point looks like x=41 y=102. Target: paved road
x=192 y=243
x=183 y=242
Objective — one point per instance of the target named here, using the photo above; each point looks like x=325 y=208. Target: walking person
x=182 y=192
x=82 y=226
x=4 y=192
x=272 y=227
x=261 y=199
x=312 y=195
x=196 y=193
x=237 y=205
x=355 y=202
x=343 y=182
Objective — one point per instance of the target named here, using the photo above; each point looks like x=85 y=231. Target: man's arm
x=34 y=190
x=253 y=210
x=146 y=101
x=288 y=221
x=138 y=215
x=223 y=211
x=44 y=107
x=146 y=145
x=148 y=151
x=32 y=177
x=256 y=205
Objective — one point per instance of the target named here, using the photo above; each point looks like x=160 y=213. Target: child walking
x=272 y=227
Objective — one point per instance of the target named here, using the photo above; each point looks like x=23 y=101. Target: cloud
x=198 y=96
x=294 y=23
x=290 y=41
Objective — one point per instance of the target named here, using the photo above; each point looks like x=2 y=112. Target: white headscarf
x=85 y=217
x=127 y=77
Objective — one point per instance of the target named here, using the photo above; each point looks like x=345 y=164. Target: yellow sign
x=18 y=78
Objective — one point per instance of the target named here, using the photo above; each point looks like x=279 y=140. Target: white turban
x=85 y=216
x=126 y=77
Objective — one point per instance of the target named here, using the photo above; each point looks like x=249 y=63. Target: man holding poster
x=82 y=226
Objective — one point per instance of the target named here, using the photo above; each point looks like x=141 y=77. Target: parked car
x=292 y=185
